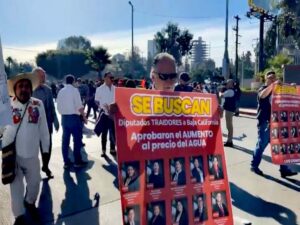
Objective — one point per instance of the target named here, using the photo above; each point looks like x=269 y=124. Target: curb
x=248 y=112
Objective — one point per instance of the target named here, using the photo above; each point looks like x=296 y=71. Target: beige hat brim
x=12 y=81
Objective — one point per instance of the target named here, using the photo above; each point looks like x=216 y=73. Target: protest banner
x=171 y=159
x=5 y=109
x=285 y=125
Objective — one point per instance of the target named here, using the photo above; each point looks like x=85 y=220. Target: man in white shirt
x=33 y=130
x=105 y=95
x=70 y=106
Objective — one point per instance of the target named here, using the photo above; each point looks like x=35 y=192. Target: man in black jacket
x=229 y=105
x=220 y=209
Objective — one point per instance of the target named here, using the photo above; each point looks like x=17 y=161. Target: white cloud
x=212 y=31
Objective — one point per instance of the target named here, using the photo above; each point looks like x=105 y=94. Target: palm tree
x=10 y=62
x=173 y=40
x=98 y=58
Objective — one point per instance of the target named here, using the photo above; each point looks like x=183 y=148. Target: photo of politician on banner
x=285 y=125
x=172 y=167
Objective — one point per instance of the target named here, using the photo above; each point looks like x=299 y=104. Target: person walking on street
x=29 y=130
x=183 y=83
x=70 y=106
x=83 y=91
x=54 y=90
x=43 y=93
x=91 y=100
x=263 y=116
x=229 y=105
x=238 y=93
x=105 y=95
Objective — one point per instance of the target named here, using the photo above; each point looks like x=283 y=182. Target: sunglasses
x=166 y=76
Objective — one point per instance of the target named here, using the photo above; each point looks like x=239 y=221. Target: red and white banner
x=171 y=159
x=285 y=125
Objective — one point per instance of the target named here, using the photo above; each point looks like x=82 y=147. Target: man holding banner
x=263 y=116
x=171 y=128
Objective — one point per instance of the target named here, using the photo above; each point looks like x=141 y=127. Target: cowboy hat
x=28 y=76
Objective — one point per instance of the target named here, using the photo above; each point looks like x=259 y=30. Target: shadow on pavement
x=250 y=152
x=260 y=208
x=239 y=138
x=45 y=204
x=294 y=181
x=77 y=200
x=294 y=167
x=112 y=168
x=279 y=181
x=87 y=132
x=268 y=177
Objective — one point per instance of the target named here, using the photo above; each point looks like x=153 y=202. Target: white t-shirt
x=69 y=101
x=105 y=96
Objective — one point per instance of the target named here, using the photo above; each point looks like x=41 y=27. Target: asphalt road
x=69 y=198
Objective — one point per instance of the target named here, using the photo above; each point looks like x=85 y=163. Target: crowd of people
x=34 y=116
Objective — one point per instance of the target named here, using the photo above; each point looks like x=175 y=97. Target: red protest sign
x=171 y=159
x=285 y=125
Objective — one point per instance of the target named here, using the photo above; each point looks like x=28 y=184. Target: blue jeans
x=262 y=142
x=71 y=125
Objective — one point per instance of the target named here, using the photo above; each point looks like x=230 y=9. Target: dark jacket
x=217 y=174
x=202 y=216
x=217 y=209
x=183 y=88
x=230 y=103
x=184 y=220
x=44 y=93
x=181 y=178
x=159 y=220
x=133 y=184
x=156 y=180
x=197 y=176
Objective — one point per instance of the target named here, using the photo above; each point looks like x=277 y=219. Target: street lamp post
x=132 y=50
x=225 y=65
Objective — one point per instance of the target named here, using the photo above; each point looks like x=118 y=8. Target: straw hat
x=28 y=76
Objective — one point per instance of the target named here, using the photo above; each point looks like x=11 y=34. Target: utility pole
x=263 y=16
x=236 y=29
x=261 y=59
x=132 y=50
x=225 y=66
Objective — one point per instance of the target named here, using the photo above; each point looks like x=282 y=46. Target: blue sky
x=37 y=25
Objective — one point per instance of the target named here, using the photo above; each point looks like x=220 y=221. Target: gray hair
x=160 y=56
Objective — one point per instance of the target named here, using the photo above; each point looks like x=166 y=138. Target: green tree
x=175 y=41
x=59 y=63
x=246 y=66
x=139 y=69
x=278 y=62
x=10 y=61
x=98 y=58
x=74 y=43
x=289 y=19
x=12 y=67
x=270 y=42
